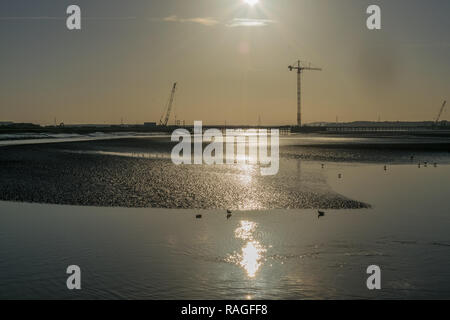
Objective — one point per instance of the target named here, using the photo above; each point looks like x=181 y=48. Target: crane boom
x=440 y=112
x=169 y=106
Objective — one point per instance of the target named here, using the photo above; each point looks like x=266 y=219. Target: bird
x=385 y=168
x=340 y=176
x=320 y=214
x=229 y=214
x=199 y=216
x=323 y=165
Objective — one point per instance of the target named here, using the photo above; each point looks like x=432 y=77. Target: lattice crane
x=300 y=66
x=441 y=111
x=168 y=107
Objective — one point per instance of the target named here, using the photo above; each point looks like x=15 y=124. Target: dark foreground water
x=277 y=254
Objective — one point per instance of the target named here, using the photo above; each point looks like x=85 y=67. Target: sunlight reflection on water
x=252 y=253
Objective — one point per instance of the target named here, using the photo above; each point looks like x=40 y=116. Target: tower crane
x=441 y=111
x=300 y=66
x=168 y=107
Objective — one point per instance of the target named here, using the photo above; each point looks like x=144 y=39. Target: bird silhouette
x=199 y=216
x=320 y=214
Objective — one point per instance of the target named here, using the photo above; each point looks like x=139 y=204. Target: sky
x=229 y=58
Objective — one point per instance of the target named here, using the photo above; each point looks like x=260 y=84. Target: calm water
x=274 y=254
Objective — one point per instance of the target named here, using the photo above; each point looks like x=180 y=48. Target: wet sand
x=138 y=172
x=84 y=173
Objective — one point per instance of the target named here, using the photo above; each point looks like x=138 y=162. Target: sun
x=251 y=2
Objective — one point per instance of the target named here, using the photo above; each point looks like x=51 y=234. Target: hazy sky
x=124 y=60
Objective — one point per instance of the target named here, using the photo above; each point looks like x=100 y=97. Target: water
x=269 y=253
x=12 y=139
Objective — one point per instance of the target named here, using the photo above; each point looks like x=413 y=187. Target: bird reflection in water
x=252 y=252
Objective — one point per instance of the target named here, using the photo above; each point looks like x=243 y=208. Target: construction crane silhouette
x=300 y=67
x=441 y=111
x=168 y=107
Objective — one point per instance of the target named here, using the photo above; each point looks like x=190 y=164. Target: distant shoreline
x=7 y=133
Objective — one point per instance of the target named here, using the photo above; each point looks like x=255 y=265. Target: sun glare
x=251 y=2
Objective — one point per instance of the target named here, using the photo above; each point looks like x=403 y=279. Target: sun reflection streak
x=251 y=2
x=251 y=259
x=245 y=230
x=252 y=253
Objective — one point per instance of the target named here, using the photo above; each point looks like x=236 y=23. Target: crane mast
x=169 y=107
x=300 y=67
